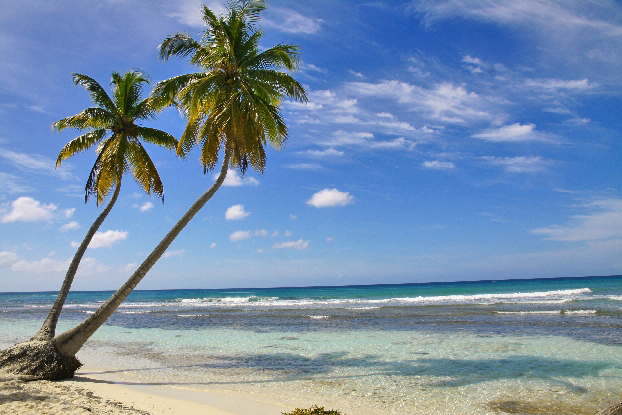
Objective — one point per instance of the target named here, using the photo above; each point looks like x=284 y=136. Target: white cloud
x=444 y=102
x=43 y=266
x=510 y=133
x=233 y=179
x=236 y=212
x=36 y=163
x=439 y=165
x=299 y=245
x=169 y=254
x=551 y=16
x=303 y=166
x=69 y=212
x=146 y=206
x=603 y=222
x=7 y=259
x=312 y=68
x=105 y=239
x=261 y=232
x=27 y=209
x=290 y=21
x=292 y=216
x=330 y=197
x=581 y=84
x=88 y=266
x=69 y=226
x=213 y=245
x=330 y=239
x=188 y=12
x=239 y=236
x=10 y=183
x=520 y=164
x=357 y=74
x=288 y=233
x=367 y=140
x=329 y=152
x=275 y=233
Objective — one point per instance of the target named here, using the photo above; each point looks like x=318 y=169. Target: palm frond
x=79 y=144
x=180 y=44
x=157 y=137
x=144 y=171
x=89 y=118
x=97 y=93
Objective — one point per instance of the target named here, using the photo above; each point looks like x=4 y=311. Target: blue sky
x=441 y=141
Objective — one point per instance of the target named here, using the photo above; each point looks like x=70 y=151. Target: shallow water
x=521 y=347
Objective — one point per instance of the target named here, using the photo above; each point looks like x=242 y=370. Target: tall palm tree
x=232 y=105
x=115 y=130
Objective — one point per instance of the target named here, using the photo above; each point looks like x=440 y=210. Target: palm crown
x=234 y=100
x=114 y=130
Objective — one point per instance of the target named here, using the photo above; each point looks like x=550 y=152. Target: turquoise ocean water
x=539 y=346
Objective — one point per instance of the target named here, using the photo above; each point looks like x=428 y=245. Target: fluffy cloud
x=330 y=197
x=146 y=206
x=261 y=232
x=239 y=236
x=169 y=254
x=290 y=21
x=27 y=209
x=299 y=245
x=236 y=212
x=439 y=165
x=70 y=226
x=515 y=132
x=233 y=179
x=105 y=239
x=603 y=222
x=444 y=101
x=69 y=212
x=7 y=259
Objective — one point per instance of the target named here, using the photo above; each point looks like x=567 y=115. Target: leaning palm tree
x=232 y=107
x=113 y=128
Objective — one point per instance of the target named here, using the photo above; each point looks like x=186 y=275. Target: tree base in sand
x=36 y=360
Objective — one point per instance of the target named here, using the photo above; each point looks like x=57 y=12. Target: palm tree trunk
x=48 y=329
x=70 y=342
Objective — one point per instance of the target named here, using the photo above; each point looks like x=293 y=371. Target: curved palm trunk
x=48 y=329
x=70 y=342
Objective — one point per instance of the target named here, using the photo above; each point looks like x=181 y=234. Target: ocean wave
x=560 y=312
x=253 y=301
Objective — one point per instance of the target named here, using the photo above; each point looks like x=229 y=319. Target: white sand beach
x=99 y=394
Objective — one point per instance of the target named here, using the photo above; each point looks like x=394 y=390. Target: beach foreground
x=98 y=394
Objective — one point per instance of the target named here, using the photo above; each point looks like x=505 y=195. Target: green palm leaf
x=116 y=133
x=234 y=103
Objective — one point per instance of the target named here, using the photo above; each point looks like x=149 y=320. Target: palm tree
x=114 y=130
x=232 y=105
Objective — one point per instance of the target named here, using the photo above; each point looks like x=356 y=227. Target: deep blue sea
x=528 y=346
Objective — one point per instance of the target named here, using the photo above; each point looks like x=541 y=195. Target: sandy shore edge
x=97 y=394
